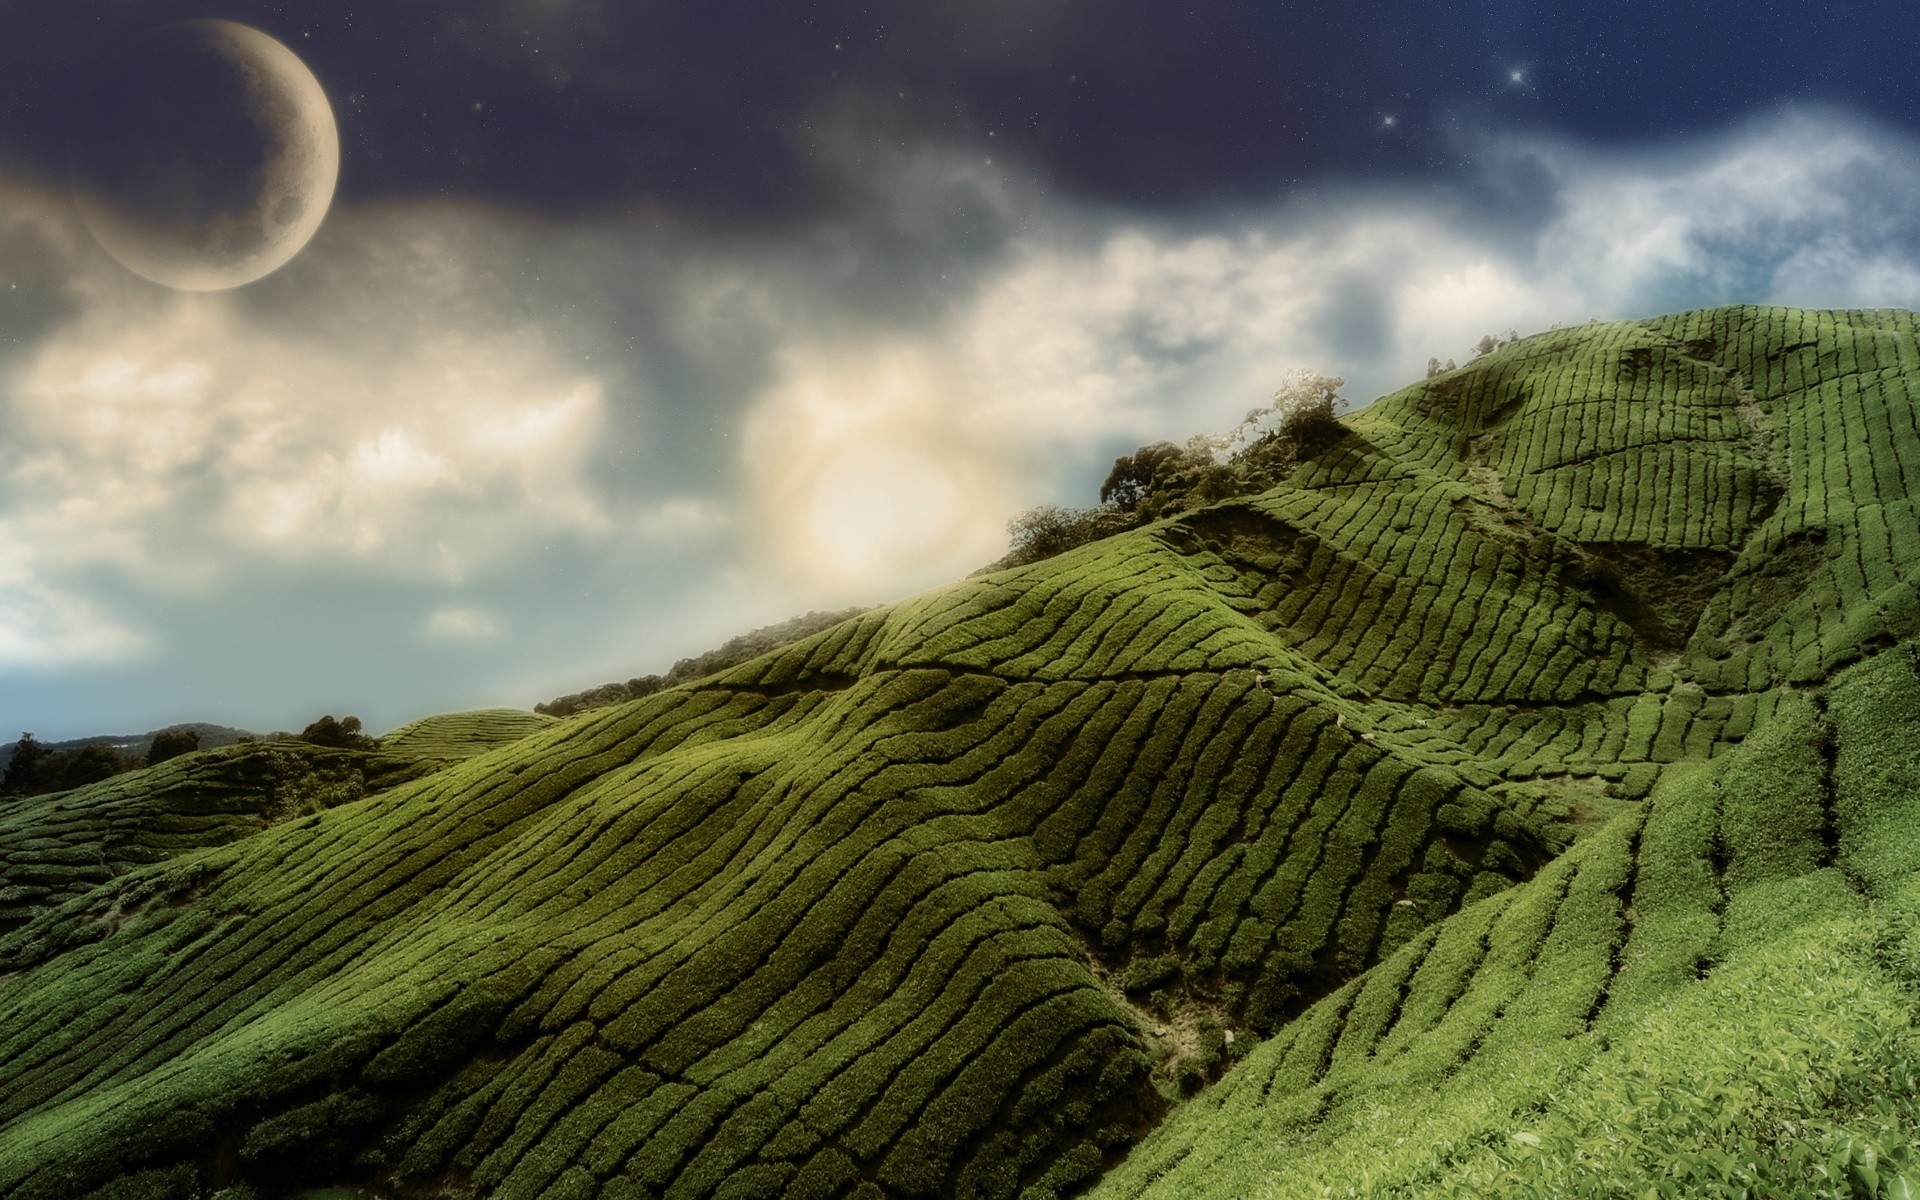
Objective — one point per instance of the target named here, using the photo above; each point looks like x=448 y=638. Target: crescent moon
x=206 y=157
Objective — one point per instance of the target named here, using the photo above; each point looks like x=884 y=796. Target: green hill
x=980 y=893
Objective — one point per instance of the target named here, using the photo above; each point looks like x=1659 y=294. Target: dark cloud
x=33 y=285
x=733 y=111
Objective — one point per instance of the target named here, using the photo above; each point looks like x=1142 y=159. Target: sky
x=633 y=326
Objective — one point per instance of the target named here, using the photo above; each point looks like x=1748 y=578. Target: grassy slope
x=949 y=899
x=462 y=735
x=1715 y=995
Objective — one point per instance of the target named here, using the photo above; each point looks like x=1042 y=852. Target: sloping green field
x=1715 y=995
x=462 y=735
x=970 y=895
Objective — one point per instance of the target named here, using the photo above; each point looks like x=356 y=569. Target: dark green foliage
x=1049 y=530
x=134 y=747
x=23 y=767
x=34 y=769
x=736 y=651
x=1511 y=729
x=1162 y=479
x=339 y=735
x=606 y=694
x=172 y=743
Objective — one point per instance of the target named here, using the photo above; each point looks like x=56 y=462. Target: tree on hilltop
x=23 y=769
x=1489 y=343
x=1162 y=479
x=339 y=735
x=172 y=743
x=1302 y=417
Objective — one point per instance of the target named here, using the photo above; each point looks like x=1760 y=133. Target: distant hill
x=735 y=651
x=137 y=744
x=1519 y=799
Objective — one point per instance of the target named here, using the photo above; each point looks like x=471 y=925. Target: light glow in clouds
x=871 y=469
x=699 y=435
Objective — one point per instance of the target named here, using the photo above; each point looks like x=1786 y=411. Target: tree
x=35 y=770
x=1162 y=479
x=23 y=769
x=172 y=743
x=1489 y=343
x=1138 y=475
x=1049 y=529
x=1300 y=419
x=1301 y=409
x=339 y=735
x=90 y=764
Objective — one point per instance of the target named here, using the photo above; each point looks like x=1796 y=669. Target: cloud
x=886 y=460
x=462 y=625
x=1798 y=207
x=438 y=395
x=1151 y=323
x=394 y=429
x=679 y=519
x=871 y=465
x=44 y=625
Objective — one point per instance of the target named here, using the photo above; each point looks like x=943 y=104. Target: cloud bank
x=614 y=438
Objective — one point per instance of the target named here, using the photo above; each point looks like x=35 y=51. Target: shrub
x=734 y=652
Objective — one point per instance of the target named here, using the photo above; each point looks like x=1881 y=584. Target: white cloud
x=679 y=519
x=1180 y=324
x=871 y=468
x=44 y=625
x=462 y=625
x=395 y=429
x=893 y=459
x=413 y=400
x=1736 y=217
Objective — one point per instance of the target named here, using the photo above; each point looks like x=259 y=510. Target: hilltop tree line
x=37 y=770
x=1164 y=479
x=733 y=653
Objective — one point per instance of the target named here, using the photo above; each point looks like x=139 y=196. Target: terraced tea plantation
x=1522 y=799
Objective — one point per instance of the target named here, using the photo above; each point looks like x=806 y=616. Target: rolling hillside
x=1348 y=839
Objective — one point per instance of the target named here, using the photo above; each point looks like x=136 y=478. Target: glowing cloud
x=869 y=467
